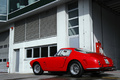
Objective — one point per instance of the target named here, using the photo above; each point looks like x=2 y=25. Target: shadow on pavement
x=84 y=77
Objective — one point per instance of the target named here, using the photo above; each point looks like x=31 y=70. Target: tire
x=76 y=69
x=37 y=69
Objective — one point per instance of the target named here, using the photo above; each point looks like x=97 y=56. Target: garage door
x=3 y=60
x=4 y=48
x=106 y=29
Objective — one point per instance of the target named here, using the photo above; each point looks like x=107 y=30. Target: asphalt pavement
x=109 y=75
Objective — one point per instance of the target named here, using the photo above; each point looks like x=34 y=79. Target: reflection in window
x=73 y=20
x=31 y=1
x=64 y=53
x=73 y=31
x=18 y=4
x=3 y=6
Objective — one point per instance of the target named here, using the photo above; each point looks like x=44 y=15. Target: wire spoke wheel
x=37 y=69
x=76 y=69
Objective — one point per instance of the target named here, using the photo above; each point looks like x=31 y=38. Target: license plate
x=106 y=61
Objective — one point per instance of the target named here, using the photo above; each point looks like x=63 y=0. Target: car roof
x=68 y=48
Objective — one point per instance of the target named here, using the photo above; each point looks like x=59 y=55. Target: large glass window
x=53 y=50
x=73 y=31
x=18 y=4
x=73 y=21
x=44 y=51
x=36 y=53
x=29 y=53
x=3 y=6
x=3 y=10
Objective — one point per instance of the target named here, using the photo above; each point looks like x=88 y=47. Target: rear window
x=84 y=51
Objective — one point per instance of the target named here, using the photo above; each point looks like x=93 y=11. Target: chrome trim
x=103 y=68
x=91 y=68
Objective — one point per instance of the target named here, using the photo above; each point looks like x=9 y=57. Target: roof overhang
x=32 y=12
x=38 y=10
x=112 y=5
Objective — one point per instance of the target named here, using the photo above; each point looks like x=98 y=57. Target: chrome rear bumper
x=102 y=69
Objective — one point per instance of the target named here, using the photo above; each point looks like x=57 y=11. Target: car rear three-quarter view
x=72 y=60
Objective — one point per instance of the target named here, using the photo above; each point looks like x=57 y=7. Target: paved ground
x=114 y=75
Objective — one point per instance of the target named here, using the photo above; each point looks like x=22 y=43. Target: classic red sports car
x=76 y=61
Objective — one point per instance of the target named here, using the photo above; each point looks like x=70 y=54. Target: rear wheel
x=76 y=69
x=37 y=69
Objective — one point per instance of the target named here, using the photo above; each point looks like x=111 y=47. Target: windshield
x=84 y=51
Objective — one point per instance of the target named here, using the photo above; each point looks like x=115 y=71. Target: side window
x=64 y=53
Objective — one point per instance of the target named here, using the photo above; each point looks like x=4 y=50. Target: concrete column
x=21 y=60
x=11 y=52
x=62 y=40
x=85 y=24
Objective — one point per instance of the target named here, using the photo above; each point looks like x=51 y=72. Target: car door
x=57 y=62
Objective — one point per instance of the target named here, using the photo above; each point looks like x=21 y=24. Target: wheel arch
x=71 y=62
x=35 y=63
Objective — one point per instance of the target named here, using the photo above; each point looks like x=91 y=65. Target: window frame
x=61 y=51
x=72 y=18
x=40 y=55
x=39 y=52
x=49 y=49
x=26 y=53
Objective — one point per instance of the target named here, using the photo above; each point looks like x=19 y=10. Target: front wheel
x=76 y=69
x=37 y=69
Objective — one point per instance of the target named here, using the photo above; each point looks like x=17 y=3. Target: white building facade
x=43 y=30
x=48 y=31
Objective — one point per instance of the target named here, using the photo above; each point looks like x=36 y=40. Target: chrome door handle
x=64 y=58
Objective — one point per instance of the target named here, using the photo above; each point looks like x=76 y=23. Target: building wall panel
x=19 y=34
x=48 y=23
x=32 y=27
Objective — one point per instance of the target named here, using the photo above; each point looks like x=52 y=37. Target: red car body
x=89 y=61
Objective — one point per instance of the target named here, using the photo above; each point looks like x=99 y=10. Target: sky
x=3 y=7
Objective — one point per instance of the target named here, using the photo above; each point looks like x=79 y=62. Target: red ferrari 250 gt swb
x=76 y=61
